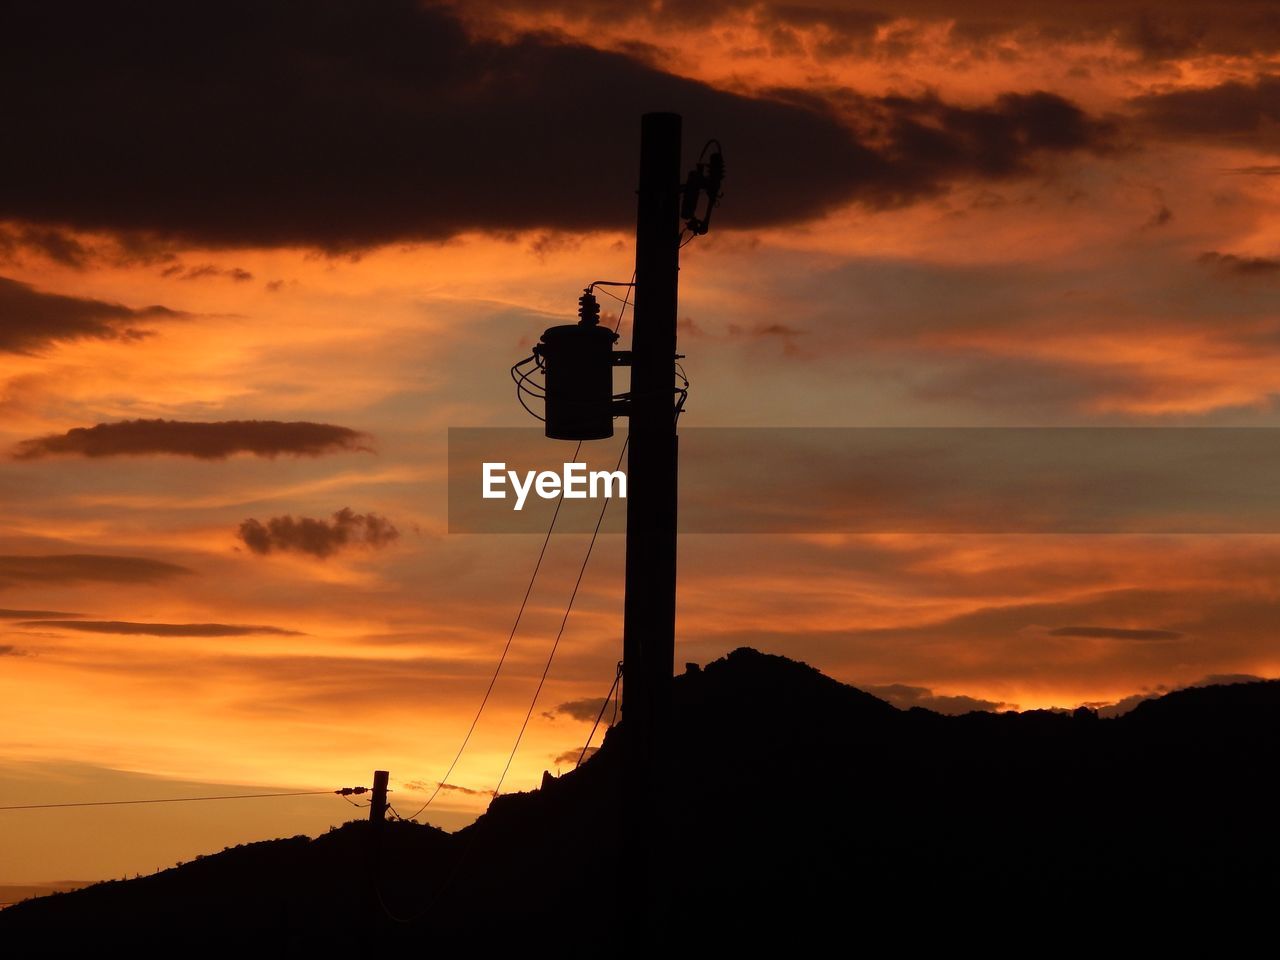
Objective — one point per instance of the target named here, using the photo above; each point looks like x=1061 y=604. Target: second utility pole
x=648 y=633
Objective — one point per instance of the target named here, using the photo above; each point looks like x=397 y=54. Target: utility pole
x=577 y=361
x=648 y=633
x=378 y=798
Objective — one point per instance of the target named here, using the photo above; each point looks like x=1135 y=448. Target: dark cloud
x=1224 y=679
x=62 y=246
x=320 y=538
x=160 y=629
x=206 y=441
x=1241 y=266
x=695 y=13
x=423 y=786
x=1174 y=29
x=34 y=614
x=905 y=697
x=1116 y=633
x=1236 y=110
x=9 y=650
x=587 y=709
x=762 y=331
x=337 y=126
x=84 y=568
x=31 y=319
x=1160 y=218
x=930 y=141
x=205 y=270
x=570 y=757
x=57 y=245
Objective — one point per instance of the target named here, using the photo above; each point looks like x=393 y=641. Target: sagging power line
x=342 y=792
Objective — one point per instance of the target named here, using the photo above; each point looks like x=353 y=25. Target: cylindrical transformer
x=577 y=359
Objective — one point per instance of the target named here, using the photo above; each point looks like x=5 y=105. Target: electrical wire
x=679 y=407
x=523 y=386
x=560 y=633
x=683 y=390
x=617 y=678
x=615 y=296
x=533 y=577
x=521 y=379
x=631 y=287
x=118 y=803
x=505 y=650
x=421 y=911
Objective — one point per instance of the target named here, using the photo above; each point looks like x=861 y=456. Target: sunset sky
x=345 y=221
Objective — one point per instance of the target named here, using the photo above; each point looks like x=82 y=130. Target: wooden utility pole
x=378 y=798
x=648 y=633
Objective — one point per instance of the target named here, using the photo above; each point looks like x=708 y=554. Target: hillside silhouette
x=801 y=810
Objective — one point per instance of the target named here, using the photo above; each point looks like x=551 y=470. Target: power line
x=522 y=379
x=560 y=633
x=528 y=590
x=617 y=678
x=631 y=287
x=117 y=803
x=466 y=850
x=503 y=658
x=520 y=383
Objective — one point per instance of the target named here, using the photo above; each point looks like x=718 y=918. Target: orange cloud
x=157 y=629
x=84 y=568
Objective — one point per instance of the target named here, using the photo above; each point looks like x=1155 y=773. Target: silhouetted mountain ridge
x=799 y=809
x=1256 y=700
